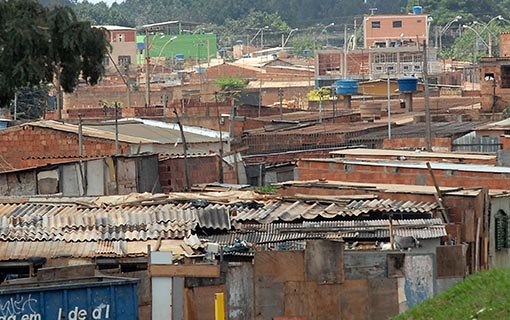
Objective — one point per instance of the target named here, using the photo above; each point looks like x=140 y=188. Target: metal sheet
x=240 y=290
x=72 y=180
x=96 y=172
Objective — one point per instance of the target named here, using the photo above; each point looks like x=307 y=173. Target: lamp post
x=261 y=32
x=163 y=48
x=445 y=28
x=479 y=37
x=288 y=37
x=324 y=30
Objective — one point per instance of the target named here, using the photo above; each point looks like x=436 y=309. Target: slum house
x=113 y=232
x=98 y=176
x=414 y=155
x=470 y=211
x=277 y=165
x=495 y=77
x=404 y=172
x=106 y=175
x=55 y=139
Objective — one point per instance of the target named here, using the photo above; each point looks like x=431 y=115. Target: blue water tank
x=346 y=87
x=4 y=123
x=179 y=56
x=200 y=70
x=407 y=84
x=417 y=10
x=306 y=52
x=238 y=42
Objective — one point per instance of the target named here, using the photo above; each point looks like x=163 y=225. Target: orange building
x=401 y=30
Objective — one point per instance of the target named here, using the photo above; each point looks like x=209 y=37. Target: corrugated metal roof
x=87 y=131
x=19 y=250
x=75 y=223
x=307 y=210
x=365 y=229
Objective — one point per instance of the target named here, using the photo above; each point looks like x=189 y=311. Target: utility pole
x=80 y=135
x=389 y=104
x=427 y=97
x=320 y=105
x=280 y=95
x=15 y=106
x=218 y=116
x=147 y=71
x=116 y=105
x=185 y=148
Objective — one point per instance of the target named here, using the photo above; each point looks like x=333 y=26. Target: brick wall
x=309 y=169
x=438 y=144
x=23 y=142
x=202 y=169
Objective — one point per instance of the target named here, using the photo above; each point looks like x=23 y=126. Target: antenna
x=372 y=10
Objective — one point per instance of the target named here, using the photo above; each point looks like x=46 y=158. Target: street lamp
x=324 y=30
x=162 y=49
x=445 y=28
x=261 y=31
x=288 y=37
x=477 y=34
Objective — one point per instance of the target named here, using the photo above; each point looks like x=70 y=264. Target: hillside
x=483 y=296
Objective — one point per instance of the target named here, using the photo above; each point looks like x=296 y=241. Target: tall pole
x=80 y=135
x=389 y=105
x=116 y=104
x=280 y=95
x=221 y=136
x=345 y=51
x=147 y=71
x=427 y=97
x=185 y=149
x=15 y=106
x=320 y=105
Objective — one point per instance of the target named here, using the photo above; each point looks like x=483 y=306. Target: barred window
x=501 y=230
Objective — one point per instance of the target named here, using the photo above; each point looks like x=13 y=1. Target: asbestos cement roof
x=87 y=131
x=309 y=210
x=364 y=229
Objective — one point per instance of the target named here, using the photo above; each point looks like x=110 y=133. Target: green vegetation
x=230 y=87
x=270 y=188
x=483 y=296
x=41 y=45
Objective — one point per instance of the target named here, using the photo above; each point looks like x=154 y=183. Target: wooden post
x=185 y=148
x=438 y=196
x=392 y=237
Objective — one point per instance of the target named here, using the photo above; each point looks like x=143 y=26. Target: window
x=489 y=77
x=397 y=24
x=505 y=76
x=379 y=58
x=121 y=37
x=106 y=61
x=124 y=60
x=501 y=230
x=376 y=24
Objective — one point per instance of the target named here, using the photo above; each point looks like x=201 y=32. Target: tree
x=39 y=45
x=230 y=87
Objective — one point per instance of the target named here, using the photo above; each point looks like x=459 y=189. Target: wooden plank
x=324 y=301
x=383 y=295
x=355 y=303
x=185 y=270
x=296 y=299
x=438 y=195
x=324 y=261
x=451 y=261
x=280 y=266
x=199 y=302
